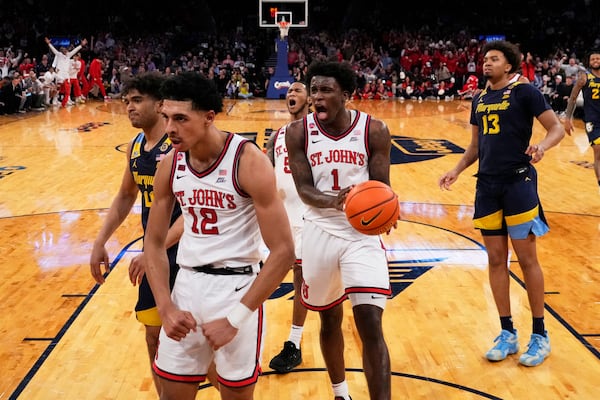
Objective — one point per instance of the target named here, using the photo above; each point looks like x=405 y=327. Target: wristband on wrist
x=238 y=315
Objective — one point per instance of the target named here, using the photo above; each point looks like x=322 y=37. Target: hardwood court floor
x=62 y=337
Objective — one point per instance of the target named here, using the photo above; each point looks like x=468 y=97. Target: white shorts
x=297 y=234
x=335 y=269
x=210 y=297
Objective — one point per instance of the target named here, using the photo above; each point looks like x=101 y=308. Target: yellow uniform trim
x=490 y=222
x=523 y=217
x=149 y=317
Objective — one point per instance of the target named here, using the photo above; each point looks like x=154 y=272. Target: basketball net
x=284 y=27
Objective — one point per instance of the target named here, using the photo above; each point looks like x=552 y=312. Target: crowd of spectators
x=412 y=57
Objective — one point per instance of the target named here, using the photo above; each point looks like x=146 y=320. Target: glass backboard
x=270 y=12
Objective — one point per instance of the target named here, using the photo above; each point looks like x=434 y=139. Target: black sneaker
x=287 y=359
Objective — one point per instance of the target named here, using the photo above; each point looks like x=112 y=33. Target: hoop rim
x=284 y=27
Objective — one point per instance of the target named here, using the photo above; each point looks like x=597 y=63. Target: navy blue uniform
x=591 y=108
x=506 y=200
x=142 y=165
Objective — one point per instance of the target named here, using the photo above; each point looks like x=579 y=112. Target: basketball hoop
x=284 y=27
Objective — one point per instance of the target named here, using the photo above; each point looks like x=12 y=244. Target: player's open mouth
x=292 y=102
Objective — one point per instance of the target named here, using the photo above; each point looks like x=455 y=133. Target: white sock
x=296 y=335
x=341 y=390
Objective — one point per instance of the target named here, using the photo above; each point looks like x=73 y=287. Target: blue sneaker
x=506 y=343
x=538 y=350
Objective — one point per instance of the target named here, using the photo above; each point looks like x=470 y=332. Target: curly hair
x=342 y=72
x=511 y=52
x=147 y=83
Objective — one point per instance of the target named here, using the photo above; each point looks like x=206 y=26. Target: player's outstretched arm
x=572 y=102
x=118 y=211
x=469 y=157
x=555 y=132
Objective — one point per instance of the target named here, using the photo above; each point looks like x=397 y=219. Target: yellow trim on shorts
x=489 y=222
x=518 y=219
x=149 y=317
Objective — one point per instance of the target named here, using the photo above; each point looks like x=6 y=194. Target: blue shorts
x=593 y=133
x=509 y=206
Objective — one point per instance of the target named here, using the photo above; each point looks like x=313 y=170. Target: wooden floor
x=64 y=338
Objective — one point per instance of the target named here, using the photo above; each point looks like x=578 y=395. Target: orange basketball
x=372 y=207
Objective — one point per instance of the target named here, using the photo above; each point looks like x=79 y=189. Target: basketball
x=372 y=207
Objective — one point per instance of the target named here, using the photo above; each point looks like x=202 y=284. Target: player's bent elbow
x=288 y=254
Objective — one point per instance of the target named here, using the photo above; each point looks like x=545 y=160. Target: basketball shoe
x=538 y=350
x=506 y=343
x=287 y=359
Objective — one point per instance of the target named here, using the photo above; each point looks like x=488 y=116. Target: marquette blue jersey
x=505 y=121
x=591 y=99
x=143 y=165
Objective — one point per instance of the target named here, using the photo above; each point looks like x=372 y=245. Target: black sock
x=538 y=326
x=507 y=324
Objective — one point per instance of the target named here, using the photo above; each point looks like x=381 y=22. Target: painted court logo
x=407 y=150
x=9 y=170
x=87 y=127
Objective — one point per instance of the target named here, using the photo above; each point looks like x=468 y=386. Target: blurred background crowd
x=400 y=51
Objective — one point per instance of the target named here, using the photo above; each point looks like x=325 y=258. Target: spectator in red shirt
x=26 y=66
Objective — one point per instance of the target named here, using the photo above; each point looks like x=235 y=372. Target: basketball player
x=298 y=106
x=226 y=189
x=330 y=150
x=589 y=84
x=62 y=65
x=82 y=77
x=142 y=98
x=506 y=200
x=95 y=78
x=74 y=71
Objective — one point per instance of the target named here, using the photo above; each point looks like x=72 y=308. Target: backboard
x=270 y=12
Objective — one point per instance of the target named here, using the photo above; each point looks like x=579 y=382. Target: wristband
x=238 y=315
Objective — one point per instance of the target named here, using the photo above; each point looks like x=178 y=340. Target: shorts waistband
x=212 y=270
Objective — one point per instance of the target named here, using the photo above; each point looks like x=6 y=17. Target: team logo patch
x=165 y=146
